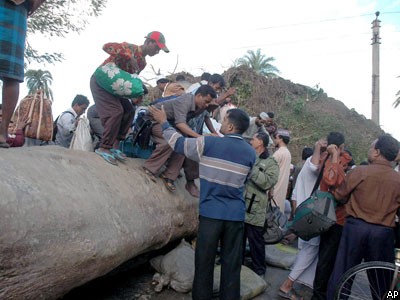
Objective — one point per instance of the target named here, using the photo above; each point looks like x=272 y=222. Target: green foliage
x=33 y=55
x=308 y=126
x=243 y=92
x=39 y=80
x=58 y=18
x=297 y=104
x=259 y=63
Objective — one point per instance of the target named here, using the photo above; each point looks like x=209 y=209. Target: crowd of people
x=241 y=165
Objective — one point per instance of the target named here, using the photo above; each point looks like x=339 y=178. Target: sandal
x=169 y=183
x=118 y=154
x=151 y=175
x=4 y=145
x=291 y=295
x=107 y=157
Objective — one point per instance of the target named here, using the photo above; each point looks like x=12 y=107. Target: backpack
x=142 y=126
x=139 y=143
x=55 y=128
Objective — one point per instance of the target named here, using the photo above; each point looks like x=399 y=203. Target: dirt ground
x=135 y=284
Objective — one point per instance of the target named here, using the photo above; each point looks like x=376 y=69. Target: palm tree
x=259 y=63
x=39 y=80
x=397 y=102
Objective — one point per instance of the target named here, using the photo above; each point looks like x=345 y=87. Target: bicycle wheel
x=369 y=280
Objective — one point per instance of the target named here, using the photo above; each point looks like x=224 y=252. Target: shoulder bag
x=275 y=223
x=316 y=214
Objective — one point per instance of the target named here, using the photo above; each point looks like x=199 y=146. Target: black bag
x=139 y=143
x=275 y=224
x=142 y=130
x=55 y=128
x=314 y=215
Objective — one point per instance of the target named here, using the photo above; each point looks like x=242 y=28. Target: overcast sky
x=314 y=42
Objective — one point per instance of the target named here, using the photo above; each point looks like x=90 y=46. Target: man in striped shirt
x=225 y=164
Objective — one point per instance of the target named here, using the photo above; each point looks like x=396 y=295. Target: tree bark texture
x=67 y=217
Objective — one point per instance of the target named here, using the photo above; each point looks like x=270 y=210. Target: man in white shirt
x=203 y=81
x=283 y=157
x=68 y=120
x=303 y=269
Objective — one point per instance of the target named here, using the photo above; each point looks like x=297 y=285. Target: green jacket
x=264 y=176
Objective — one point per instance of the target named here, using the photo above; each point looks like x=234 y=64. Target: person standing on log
x=13 y=26
x=116 y=113
x=225 y=164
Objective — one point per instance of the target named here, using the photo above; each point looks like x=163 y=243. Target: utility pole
x=375 y=69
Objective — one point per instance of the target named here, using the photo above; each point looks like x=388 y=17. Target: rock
x=67 y=217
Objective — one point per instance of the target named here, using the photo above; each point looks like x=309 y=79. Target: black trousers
x=230 y=236
x=328 y=247
x=254 y=234
x=361 y=240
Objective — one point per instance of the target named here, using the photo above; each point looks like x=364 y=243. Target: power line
x=304 y=40
x=324 y=20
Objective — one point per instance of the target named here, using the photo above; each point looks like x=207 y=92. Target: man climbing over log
x=225 y=164
x=178 y=111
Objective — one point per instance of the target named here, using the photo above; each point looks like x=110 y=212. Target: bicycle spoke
x=370 y=280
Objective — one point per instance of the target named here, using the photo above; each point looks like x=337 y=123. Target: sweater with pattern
x=225 y=163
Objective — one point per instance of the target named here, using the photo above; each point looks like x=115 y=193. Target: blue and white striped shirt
x=225 y=164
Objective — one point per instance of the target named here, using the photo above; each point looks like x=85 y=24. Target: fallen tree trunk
x=67 y=217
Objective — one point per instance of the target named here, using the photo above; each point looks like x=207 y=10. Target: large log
x=67 y=217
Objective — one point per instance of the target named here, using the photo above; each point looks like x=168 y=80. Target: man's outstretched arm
x=192 y=148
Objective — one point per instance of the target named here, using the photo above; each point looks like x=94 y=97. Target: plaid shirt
x=126 y=56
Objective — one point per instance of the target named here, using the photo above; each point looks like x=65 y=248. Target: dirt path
x=135 y=284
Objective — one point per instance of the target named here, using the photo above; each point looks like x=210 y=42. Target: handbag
x=118 y=82
x=37 y=111
x=82 y=139
x=275 y=223
x=314 y=215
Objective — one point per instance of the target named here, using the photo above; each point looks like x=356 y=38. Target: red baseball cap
x=159 y=38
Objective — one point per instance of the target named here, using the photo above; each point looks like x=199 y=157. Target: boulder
x=67 y=217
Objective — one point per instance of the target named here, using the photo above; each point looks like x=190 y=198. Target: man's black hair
x=388 y=146
x=180 y=77
x=206 y=90
x=264 y=137
x=239 y=118
x=205 y=76
x=335 y=138
x=285 y=139
x=163 y=80
x=217 y=78
x=271 y=114
x=306 y=153
x=80 y=100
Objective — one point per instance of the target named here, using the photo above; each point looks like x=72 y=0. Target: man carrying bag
x=336 y=160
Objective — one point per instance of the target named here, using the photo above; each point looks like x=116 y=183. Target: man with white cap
x=256 y=126
x=283 y=157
